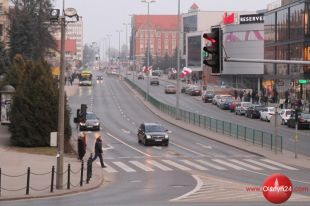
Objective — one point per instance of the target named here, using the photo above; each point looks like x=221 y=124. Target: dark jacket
x=98 y=146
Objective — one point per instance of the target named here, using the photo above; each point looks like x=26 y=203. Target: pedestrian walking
x=82 y=145
x=98 y=151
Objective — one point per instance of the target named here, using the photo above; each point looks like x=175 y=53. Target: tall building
x=160 y=30
x=74 y=31
x=287 y=37
x=4 y=20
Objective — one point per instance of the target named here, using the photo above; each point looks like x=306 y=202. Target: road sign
x=302 y=81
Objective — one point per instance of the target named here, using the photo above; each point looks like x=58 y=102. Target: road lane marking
x=141 y=166
x=228 y=164
x=128 y=145
x=204 y=146
x=197 y=188
x=124 y=167
x=174 y=164
x=108 y=147
x=279 y=164
x=262 y=164
x=187 y=149
x=211 y=165
x=159 y=165
x=245 y=164
x=108 y=169
x=197 y=166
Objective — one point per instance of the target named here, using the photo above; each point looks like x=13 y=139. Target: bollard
x=28 y=181
x=68 y=182
x=89 y=168
x=82 y=169
x=52 y=179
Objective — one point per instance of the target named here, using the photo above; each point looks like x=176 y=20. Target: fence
x=29 y=174
x=254 y=136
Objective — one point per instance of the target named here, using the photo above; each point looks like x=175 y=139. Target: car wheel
x=144 y=141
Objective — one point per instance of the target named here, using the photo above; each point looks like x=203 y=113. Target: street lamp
x=119 y=47
x=109 y=52
x=69 y=12
x=177 y=114
x=148 y=44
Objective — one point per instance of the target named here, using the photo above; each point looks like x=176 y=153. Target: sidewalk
x=14 y=166
x=285 y=156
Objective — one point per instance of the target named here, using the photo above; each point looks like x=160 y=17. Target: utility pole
x=177 y=114
x=109 y=52
x=61 y=105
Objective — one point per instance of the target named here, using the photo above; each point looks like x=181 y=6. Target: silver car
x=91 y=122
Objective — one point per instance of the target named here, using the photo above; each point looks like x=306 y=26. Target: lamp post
x=119 y=49
x=177 y=104
x=109 y=52
x=148 y=45
x=54 y=18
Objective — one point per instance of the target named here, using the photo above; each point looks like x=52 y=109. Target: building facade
x=287 y=37
x=161 y=31
x=4 y=20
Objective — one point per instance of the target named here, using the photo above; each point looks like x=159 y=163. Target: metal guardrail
x=254 y=136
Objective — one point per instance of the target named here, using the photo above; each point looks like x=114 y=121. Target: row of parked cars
x=256 y=111
x=191 y=89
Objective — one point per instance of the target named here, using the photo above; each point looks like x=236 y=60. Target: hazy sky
x=102 y=17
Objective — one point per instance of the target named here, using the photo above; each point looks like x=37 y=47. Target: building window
x=269 y=27
x=1 y=8
x=297 y=22
x=269 y=54
x=297 y=53
x=282 y=53
x=282 y=25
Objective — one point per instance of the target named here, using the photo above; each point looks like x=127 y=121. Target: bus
x=85 y=78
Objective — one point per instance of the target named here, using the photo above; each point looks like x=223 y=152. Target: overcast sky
x=102 y=17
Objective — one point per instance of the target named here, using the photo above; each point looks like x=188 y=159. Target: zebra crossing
x=166 y=165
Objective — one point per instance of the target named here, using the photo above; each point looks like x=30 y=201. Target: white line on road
x=245 y=164
x=197 y=166
x=109 y=169
x=187 y=149
x=159 y=165
x=197 y=188
x=262 y=164
x=204 y=146
x=124 y=167
x=279 y=164
x=211 y=165
x=141 y=166
x=228 y=164
x=128 y=145
x=174 y=164
x=108 y=147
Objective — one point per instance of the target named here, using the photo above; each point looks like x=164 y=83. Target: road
x=194 y=104
x=192 y=170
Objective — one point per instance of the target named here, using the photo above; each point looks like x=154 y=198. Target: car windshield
x=259 y=108
x=247 y=104
x=154 y=128
x=91 y=116
x=271 y=109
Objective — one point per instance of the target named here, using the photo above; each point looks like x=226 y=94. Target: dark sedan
x=303 y=121
x=152 y=133
x=207 y=96
x=253 y=112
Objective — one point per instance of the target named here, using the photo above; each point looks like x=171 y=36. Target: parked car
x=140 y=76
x=170 y=89
x=91 y=123
x=285 y=114
x=303 y=120
x=242 y=107
x=225 y=104
x=215 y=99
x=254 y=111
x=233 y=105
x=189 y=88
x=267 y=113
x=154 y=81
x=152 y=133
x=185 y=87
x=223 y=98
x=207 y=96
x=195 y=91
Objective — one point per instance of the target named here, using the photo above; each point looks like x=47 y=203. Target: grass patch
x=51 y=151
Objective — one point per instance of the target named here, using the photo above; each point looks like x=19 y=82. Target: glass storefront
x=282 y=27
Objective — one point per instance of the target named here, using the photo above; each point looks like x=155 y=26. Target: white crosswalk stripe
x=159 y=165
x=174 y=164
x=245 y=164
x=279 y=164
x=108 y=169
x=209 y=164
x=124 y=167
x=193 y=164
x=262 y=164
x=141 y=166
x=227 y=164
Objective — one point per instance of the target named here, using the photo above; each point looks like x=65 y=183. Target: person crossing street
x=98 y=151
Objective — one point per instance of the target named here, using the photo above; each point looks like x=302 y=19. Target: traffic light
x=83 y=112
x=212 y=49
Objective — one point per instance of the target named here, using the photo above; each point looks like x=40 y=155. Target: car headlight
x=82 y=123
x=166 y=136
x=148 y=136
x=96 y=124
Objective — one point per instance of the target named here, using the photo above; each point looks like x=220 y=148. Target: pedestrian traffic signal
x=212 y=48
x=83 y=112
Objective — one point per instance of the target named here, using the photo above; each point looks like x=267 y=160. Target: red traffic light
x=209 y=37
